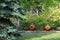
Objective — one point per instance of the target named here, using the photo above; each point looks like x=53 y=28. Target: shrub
x=41 y=21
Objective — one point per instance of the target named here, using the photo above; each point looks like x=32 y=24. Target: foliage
x=39 y=23
x=50 y=15
x=46 y=4
x=10 y=9
x=52 y=18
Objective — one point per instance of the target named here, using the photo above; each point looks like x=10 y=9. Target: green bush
x=40 y=21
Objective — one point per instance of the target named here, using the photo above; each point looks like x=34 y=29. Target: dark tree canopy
x=9 y=9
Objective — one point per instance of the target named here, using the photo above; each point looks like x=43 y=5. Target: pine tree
x=9 y=9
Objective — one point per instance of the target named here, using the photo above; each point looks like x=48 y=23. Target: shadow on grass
x=33 y=36
x=51 y=39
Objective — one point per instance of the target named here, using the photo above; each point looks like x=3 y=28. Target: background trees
x=49 y=15
x=9 y=9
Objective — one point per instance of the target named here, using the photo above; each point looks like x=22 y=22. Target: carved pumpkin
x=32 y=26
x=47 y=27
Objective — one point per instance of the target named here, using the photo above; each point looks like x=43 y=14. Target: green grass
x=40 y=36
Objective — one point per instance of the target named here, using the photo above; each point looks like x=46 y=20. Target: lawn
x=40 y=36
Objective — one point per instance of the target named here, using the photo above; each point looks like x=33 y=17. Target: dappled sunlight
x=54 y=13
x=56 y=10
x=54 y=35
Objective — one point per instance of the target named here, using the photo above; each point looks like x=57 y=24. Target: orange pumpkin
x=32 y=26
x=47 y=27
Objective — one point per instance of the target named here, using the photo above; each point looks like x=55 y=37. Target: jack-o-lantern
x=48 y=27
x=32 y=26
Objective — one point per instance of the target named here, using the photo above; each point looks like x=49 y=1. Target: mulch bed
x=37 y=31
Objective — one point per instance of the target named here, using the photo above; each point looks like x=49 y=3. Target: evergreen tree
x=9 y=9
